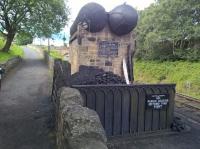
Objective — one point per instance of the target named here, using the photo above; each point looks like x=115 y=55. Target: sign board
x=157 y=101
x=108 y=48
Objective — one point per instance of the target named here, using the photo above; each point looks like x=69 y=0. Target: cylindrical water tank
x=123 y=19
x=93 y=16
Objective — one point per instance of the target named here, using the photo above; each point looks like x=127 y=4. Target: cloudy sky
x=75 y=6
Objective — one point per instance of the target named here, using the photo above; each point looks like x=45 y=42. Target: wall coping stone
x=78 y=127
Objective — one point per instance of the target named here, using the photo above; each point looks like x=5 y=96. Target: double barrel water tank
x=121 y=20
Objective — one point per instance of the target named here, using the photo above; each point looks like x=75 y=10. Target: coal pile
x=95 y=76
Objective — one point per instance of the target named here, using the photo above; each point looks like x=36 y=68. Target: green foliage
x=2 y=42
x=184 y=74
x=15 y=51
x=169 y=30
x=53 y=53
x=24 y=38
x=35 y=17
x=4 y=56
x=50 y=16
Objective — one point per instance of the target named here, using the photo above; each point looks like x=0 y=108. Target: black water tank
x=123 y=19
x=93 y=16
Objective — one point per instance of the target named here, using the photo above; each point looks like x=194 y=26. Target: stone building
x=102 y=49
x=104 y=40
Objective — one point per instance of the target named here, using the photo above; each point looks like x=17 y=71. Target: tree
x=36 y=17
x=24 y=38
x=170 y=30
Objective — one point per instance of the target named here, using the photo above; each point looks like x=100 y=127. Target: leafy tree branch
x=34 y=17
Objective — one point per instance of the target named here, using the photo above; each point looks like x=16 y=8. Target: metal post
x=48 y=46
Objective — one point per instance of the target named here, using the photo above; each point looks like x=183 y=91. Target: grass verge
x=53 y=53
x=14 y=51
x=185 y=74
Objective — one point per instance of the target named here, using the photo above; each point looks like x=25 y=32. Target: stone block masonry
x=103 y=50
x=10 y=64
x=77 y=127
x=48 y=60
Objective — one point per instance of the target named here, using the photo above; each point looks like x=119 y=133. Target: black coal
x=94 y=76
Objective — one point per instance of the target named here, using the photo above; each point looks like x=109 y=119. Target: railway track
x=188 y=101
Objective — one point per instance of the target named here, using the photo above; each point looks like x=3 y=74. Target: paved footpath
x=25 y=107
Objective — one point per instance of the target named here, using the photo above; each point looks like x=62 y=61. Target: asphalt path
x=25 y=107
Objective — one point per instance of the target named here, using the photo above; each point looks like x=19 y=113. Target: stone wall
x=84 y=50
x=61 y=77
x=49 y=60
x=10 y=64
x=77 y=127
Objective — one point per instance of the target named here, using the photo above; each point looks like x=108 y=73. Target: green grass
x=14 y=51
x=185 y=74
x=54 y=53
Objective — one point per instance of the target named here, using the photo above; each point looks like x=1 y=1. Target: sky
x=75 y=6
